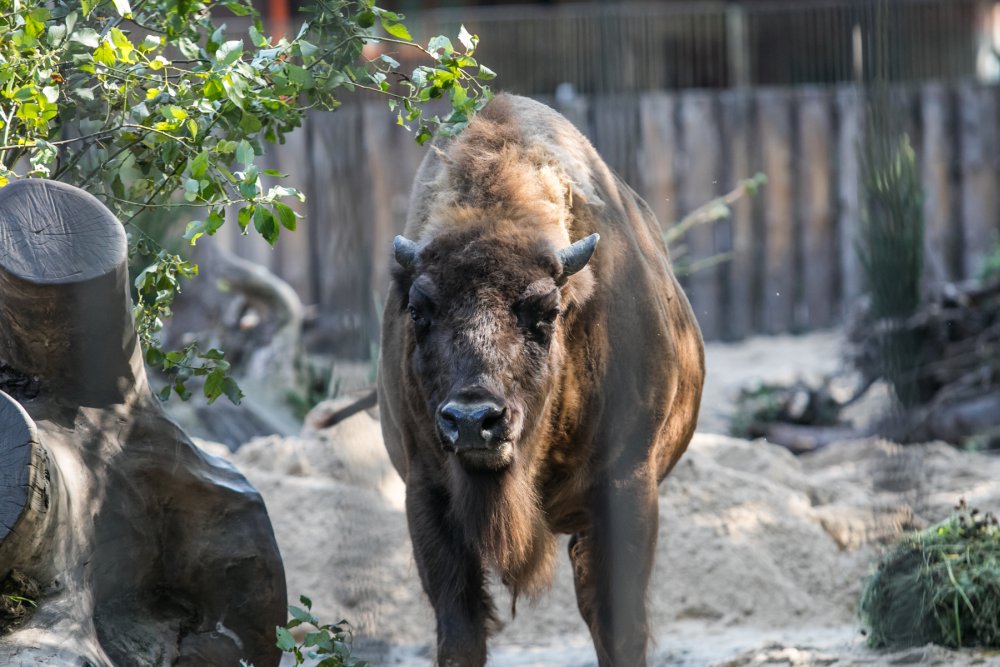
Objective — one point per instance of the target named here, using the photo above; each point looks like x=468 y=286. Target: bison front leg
x=612 y=562
x=452 y=576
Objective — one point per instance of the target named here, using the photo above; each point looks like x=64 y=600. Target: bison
x=540 y=373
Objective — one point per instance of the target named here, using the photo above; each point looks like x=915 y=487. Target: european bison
x=541 y=373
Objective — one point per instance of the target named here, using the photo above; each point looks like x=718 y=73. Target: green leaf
x=149 y=42
x=300 y=75
x=232 y=391
x=123 y=7
x=306 y=601
x=244 y=152
x=105 y=53
x=244 y=216
x=440 y=43
x=213 y=385
x=397 y=30
x=256 y=38
x=485 y=73
x=302 y=615
x=238 y=8
x=121 y=42
x=307 y=49
x=285 y=640
x=286 y=216
x=25 y=93
x=467 y=40
x=229 y=52
x=366 y=19
x=196 y=229
x=199 y=165
x=173 y=112
x=265 y=224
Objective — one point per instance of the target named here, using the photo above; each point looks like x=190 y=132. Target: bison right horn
x=406 y=252
x=575 y=256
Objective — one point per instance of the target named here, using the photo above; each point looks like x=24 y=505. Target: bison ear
x=575 y=256
x=406 y=252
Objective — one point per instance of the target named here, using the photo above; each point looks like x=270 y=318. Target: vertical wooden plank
x=291 y=259
x=616 y=133
x=935 y=167
x=849 y=116
x=343 y=203
x=742 y=272
x=657 y=147
x=774 y=124
x=819 y=244
x=978 y=145
x=699 y=184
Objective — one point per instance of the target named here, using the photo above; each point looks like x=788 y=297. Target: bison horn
x=575 y=256
x=406 y=252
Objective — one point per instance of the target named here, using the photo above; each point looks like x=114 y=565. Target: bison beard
x=531 y=382
x=501 y=519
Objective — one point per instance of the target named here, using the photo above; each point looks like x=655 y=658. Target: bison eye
x=536 y=315
x=415 y=314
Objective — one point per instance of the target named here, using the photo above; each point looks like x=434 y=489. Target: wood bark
x=144 y=550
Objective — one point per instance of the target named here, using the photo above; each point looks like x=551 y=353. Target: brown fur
x=600 y=376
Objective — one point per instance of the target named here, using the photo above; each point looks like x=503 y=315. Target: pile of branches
x=950 y=380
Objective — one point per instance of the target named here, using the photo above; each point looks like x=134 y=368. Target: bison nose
x=471 y=425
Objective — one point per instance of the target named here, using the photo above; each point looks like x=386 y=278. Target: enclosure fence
x=792 y=263
x=603 y=48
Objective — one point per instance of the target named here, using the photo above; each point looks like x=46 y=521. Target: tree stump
x=136 y=547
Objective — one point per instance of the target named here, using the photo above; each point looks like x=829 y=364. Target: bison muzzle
x=541 y=373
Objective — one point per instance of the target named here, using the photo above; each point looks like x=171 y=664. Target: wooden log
x=819 y=241
x=774 y=109
x=57 y=270
x=699 y=185
x=147 y=552
x=24 y=485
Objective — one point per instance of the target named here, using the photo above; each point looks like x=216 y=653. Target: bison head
x=486 y=312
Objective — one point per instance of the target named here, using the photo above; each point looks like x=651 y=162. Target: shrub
x=940 y=585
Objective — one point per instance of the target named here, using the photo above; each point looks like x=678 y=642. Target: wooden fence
x=793 y=265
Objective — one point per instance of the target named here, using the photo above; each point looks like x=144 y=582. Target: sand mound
x=760 y=555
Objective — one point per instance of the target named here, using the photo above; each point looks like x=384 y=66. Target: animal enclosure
x=792 y=264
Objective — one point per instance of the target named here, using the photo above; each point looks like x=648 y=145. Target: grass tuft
x=940 y=585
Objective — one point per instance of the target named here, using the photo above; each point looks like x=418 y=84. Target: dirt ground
x=760 y=558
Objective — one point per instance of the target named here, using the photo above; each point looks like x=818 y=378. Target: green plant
x=990 y=270
x=329 y=643
x=890 y=247
x=152 y=106
x=939 y=585
x=719 y=208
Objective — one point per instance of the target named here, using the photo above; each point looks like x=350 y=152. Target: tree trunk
x=142 y=549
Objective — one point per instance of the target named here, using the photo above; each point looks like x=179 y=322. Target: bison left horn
x=406 y=252
x=575 y=256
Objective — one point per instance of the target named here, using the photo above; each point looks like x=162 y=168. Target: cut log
x=22 y=477
x=145 y=551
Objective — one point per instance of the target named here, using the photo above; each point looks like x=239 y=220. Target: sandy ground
x=760 y=556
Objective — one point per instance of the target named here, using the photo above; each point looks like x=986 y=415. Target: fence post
x=849 y=106
x=978 y=146
x=699 y=185
x=819 y=242
x=774 y=120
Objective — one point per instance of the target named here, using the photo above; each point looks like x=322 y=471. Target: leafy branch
x=152 y=107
